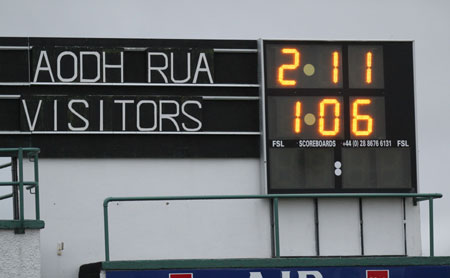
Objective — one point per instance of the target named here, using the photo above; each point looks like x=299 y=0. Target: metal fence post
x=105 y=218
x=36 y=188
x=276 y=228
x=21 y=197
x=430 y=208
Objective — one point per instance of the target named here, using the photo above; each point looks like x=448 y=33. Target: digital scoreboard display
x=338 y=116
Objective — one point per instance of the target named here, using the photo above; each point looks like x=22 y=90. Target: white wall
x=339 y=227
x=20 y=255
x=6 y=205
x=73 y=190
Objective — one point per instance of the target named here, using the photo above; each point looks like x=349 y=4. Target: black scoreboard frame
x=396 y=54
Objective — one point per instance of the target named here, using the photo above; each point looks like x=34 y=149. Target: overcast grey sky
x=425 y=22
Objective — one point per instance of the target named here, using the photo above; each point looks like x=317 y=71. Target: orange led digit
x=356 y=118
x=284 y=67
x=369 y=67
x=335 y=67
x=337 y=109
x=298 y=107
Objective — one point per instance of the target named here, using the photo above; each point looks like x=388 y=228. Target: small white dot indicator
x=338 y=172
x=338 y=165
x=309 y=70
x=310 y=119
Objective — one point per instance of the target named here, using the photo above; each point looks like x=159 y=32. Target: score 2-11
x=296 y=62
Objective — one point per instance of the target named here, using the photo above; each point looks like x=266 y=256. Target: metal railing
x=20 y=183
x=417 y=197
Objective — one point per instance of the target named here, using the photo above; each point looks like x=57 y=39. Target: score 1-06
x=362 y=125
x=322 y=117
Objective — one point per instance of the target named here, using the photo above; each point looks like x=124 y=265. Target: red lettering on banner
x=377 y=274
x=180 y=275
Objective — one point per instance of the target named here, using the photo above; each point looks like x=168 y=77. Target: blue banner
x=307 y=272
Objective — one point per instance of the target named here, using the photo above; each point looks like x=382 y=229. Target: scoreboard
x=322 y=116
x=338 y=116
